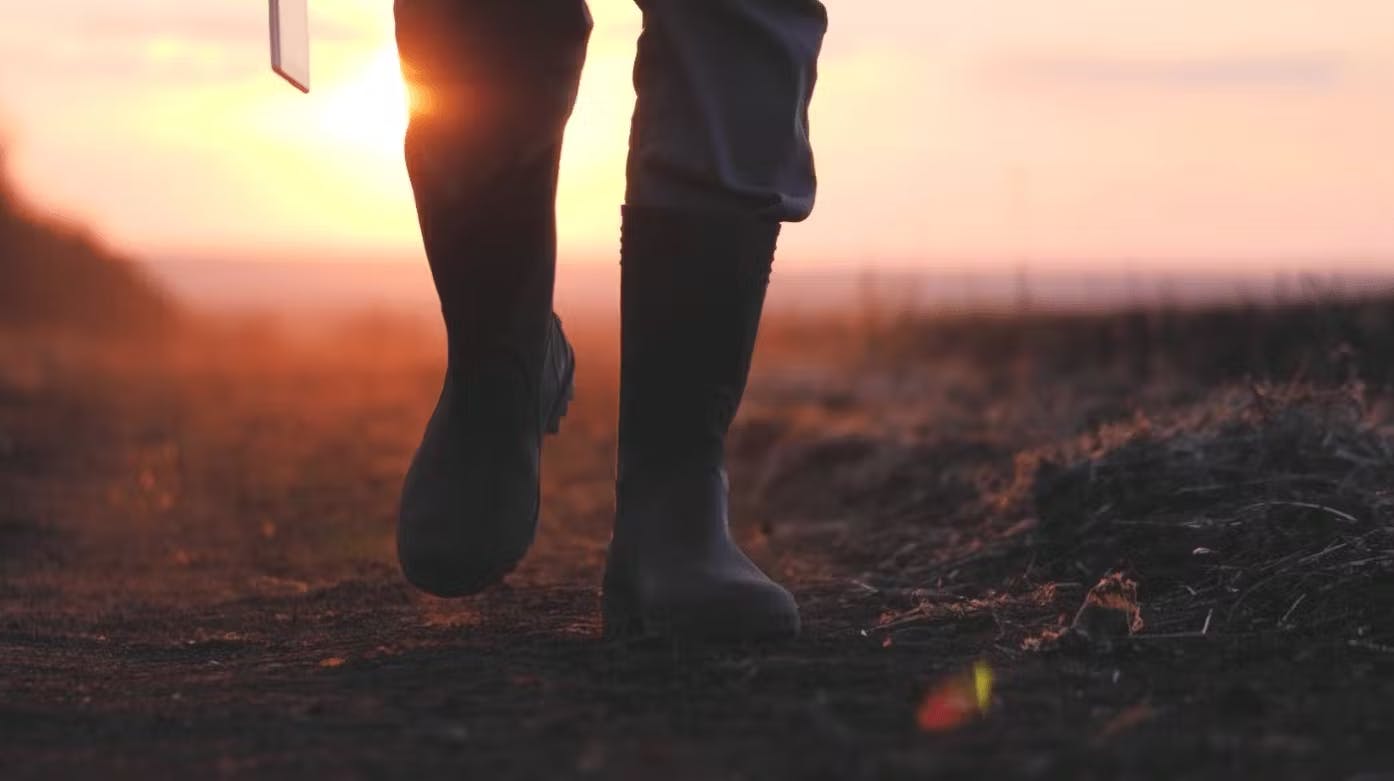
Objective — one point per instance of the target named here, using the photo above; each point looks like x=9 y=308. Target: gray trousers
x=720 y=125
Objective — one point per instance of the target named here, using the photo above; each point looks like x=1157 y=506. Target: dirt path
x=196 y=578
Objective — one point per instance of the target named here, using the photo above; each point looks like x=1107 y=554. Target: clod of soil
x=1266 y=513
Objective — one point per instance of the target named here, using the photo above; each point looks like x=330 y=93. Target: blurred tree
x=56 y=275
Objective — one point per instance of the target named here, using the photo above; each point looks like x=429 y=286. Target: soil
x=197 y=579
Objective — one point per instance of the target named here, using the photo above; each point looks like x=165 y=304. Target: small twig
x=1251 y=589
x=1333 y=547
x=1170 y=636
x=1298 y=601
x=1347 y=517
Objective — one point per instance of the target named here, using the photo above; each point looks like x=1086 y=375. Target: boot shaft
x=492 y=84
x=692 y=292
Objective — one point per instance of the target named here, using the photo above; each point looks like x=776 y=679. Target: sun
x=368 y=110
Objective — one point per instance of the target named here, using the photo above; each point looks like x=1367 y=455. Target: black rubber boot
x=492 y=85
x=692 y=291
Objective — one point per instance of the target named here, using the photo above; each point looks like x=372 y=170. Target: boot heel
x=568 y=392
x=621 y=618
x=563 y=404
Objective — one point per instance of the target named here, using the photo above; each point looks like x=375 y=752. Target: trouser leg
x=721 y=122
x=492 y=84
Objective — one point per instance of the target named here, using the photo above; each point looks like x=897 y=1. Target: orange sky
x=1071 y=131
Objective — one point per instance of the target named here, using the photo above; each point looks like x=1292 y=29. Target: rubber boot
x=492 y=85
x=692 y=290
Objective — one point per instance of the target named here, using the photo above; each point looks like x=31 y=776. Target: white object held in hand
x=290 y=42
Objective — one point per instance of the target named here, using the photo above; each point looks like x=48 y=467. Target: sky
x=1080 y=133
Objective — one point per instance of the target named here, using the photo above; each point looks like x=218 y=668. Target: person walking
x=719 y=157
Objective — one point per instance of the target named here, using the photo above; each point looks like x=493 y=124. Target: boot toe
x=745 y=608
x=449 y=574
x=449 y=552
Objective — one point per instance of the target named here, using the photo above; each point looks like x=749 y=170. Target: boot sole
x=627 y=625
x=641 y=631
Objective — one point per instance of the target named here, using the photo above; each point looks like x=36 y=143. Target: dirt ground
x=197 y=579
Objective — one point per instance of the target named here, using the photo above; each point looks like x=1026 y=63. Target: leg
x=492 y=84
x=719 y=156
x=721 y=122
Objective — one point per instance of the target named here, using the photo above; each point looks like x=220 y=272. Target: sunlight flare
x=957 y=700
x=369 y=109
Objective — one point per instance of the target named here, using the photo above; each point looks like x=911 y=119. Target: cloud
x=1286 y=71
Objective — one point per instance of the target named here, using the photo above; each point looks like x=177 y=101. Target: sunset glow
x=368 y=111
x=995 y=133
